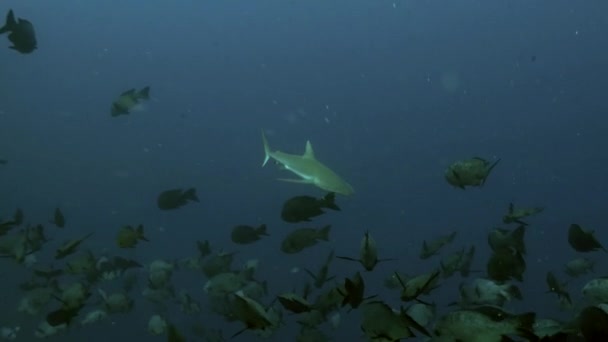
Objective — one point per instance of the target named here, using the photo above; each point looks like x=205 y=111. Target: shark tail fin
x=266 y=149
x=10 y=23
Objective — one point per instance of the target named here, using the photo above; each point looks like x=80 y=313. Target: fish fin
x=10 y=23
x=348 y=258
x=308 y=152
x=312 y=275
x=144 y=93
x=422 y=301
x=490 y=168
x=329 y=201
x=140 y=233
x=385 y=259
x=262 y=230
x=324 y=233
x=290 y=180
x=266 y=149
x=190 y=194
x=129 y=92
x=412 y=322
x=238 y=333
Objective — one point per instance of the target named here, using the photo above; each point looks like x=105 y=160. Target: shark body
x=310 y=170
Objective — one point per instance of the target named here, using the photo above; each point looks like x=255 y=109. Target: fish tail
x=10 y=23
x=144 y=93
x=517 y=237
x=489 y=170
x=266 y=149
x=324 y=233
x=140 y=233
x=329 y=201
x=190 y=194
x=262 y=230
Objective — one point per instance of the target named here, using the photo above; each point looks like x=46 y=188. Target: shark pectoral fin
x=302 y=181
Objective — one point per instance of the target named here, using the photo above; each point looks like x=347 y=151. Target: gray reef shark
x=308 y=168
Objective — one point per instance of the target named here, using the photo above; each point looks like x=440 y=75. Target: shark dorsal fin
x=309 y=153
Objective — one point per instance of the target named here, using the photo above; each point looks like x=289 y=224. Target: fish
x=597 y=290
x=368 y=253
x=294 y=302
x=484 y=324
x=322 y=275
x=308 y=168
x=558 y=288
x=594 y=324
x=501 y=238
x=514 y=215
x=381 y=323
x=3 y=161
x=579 y=266
x=469 y=172
x=246 y=234
x=70 y=247
x=582 y=240
x=303 y=238
x=176 y=198
x=505 y=264
x=432 y=247
x=128 y=236
x=128 y=100
x=21 y=33
x=417 y=286
x=354 y=291
x=303 y=208
x=488 y=292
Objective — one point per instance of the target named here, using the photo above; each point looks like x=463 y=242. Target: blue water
x=389 y=93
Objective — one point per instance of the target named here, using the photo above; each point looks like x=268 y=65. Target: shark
x=308 y=168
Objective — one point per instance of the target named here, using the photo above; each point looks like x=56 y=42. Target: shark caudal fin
x=266 y=149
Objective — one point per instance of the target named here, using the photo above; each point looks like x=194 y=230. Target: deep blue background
x=388 y=93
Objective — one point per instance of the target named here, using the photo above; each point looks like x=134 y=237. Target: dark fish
x=65 y=314
x=17 y=220
x=70 y=247
x=129 y=236
x=583 y=240
x=176 y=198
x=501 y=238
x=594 y=324
x=368 y=253
x=129 y=100
x=247 y=234
x=354 y=290
x=61 y=316
x=22 y=33
x=469 y=172
x=173 y=335
x=3 y=161
x=303 y=208
x=558 y=288
x=514 y=215
x=505 y=264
